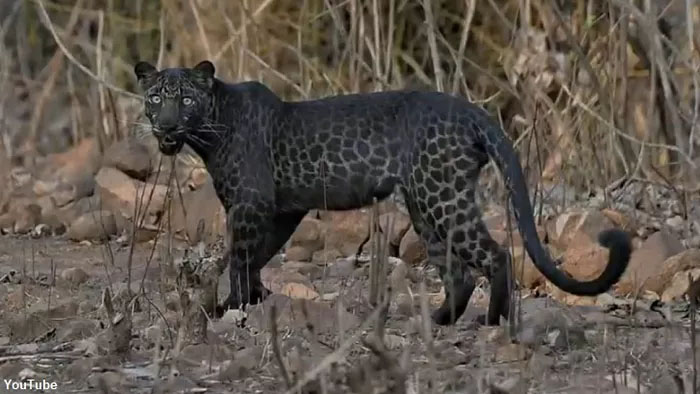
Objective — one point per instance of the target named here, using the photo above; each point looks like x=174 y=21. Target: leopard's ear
x=206 y=68
x=205 y=71
x=145 y=74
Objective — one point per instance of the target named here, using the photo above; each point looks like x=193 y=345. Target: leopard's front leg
x=249 y=223
x=257 y=233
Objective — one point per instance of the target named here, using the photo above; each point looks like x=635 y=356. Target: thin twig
x=276 y=346
x=46 y=20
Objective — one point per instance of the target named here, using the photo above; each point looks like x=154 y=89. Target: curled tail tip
x=616 y=239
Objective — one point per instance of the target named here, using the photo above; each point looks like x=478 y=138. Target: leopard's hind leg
x=472 y=243
x=472 y=247
x=482 y=251
x=457 y=279
x=454 y=272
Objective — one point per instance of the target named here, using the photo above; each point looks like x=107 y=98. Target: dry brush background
x=598 y=89
x=595 y=95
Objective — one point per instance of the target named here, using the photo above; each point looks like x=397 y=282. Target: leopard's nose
x=169 y=129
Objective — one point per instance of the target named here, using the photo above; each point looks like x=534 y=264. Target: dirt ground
x=54 y=327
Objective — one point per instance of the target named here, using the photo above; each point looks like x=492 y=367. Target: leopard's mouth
x=170 y=145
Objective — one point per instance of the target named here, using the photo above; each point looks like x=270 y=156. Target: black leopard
x=272 y=161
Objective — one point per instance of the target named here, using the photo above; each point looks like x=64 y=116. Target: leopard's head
x=178 y=101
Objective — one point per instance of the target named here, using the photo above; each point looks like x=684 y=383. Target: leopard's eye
x=187 y=101
x=155 y=99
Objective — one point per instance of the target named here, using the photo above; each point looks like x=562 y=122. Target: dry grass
x=569 y=83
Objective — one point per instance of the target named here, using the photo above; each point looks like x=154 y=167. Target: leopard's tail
x=500 y=149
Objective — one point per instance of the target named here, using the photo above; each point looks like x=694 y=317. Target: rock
x=275 y=280
x=412 y=248
x=330 y=297
x=524 y=270
x=511 y=352
x=59 y=193
x=501 y=236
x=345 y=231
x=298 y=253
x=377 y=245
x=494 y=219
x=63 y=194
x=648 y=261
x=200 y=214
x=618 y=219
x=325 y=256
x=74 y=276
x=308 y=235
x=67 y=214
x=50 y=215
x=96 y=225
x=583 y=262
x=577 y=228
x=125 y=227
x=401 y=224
x=80 y=161
x=680 y=283
x=27 y=218
x=492 y=335
x=399 y=278
x=342 y=268
x=297 y=290
x=130 y=157
x=605 y=300
x=388 y=205
x=307 y=269
x=42 y=187
x=198 y=178
x=682 y=262
x=498 y=229
x=66 y=193
x=676 y=223
x=120 y=194
x=7 y=223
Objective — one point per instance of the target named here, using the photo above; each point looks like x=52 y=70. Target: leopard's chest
x=226 y=178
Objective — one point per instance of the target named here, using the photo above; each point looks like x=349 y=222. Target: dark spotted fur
x=272 y=161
